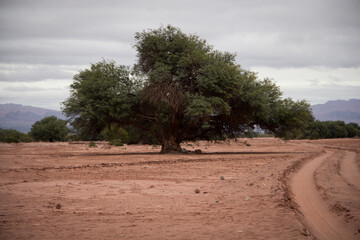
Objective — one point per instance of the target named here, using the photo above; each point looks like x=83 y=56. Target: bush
x=49 y=129
x=11 y=139
x=117 y=142
x=13 y=136
x=115 y=134
x=137 y=136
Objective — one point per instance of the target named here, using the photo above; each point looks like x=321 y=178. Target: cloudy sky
x=310 y=48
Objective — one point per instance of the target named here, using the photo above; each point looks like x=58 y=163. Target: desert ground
x=261 y=188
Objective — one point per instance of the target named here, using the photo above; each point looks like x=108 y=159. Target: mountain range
x=347 y=111
x=21 y=117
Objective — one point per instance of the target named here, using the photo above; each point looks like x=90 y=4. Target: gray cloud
x=63 y=51
x=33 y=73
x=31 y=89
x=318 y=95
x=269 y=33
x=44 y=40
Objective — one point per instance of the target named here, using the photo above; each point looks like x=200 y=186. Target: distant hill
x=347 y=111
x=21 y=117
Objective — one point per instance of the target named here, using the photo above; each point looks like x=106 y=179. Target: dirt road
x=316 y=207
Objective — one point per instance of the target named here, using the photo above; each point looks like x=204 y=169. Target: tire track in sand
x=322 y=223
x=350 y=170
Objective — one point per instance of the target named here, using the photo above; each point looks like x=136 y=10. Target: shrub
x=49 y=129
x=117 y=142
x=11 y=139
x=13 y=136
x=92 y=144
x=115 y=134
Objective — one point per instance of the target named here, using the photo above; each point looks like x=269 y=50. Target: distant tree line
x=14 y=136
x=330 y=129
x=52 y=129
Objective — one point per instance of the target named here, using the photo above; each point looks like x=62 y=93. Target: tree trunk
x=170 y=146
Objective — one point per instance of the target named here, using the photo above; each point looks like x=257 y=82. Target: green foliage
x=11 y=139
x=179 y=90
x=92 y=144
x=291 y=118
x=117 y=142
x=13 y=136
x=100 y=96
x=137 y=135
x=353 y=130
x=49 y=129
x=115 y=135
x=331 y=129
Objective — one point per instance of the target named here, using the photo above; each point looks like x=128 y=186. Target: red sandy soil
x=71 y=191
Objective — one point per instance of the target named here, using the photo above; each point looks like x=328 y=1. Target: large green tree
x=181 y=89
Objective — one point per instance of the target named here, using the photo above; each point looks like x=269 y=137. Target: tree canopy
x=13 y=136
x=181 y=89
x=49 y=129
x=331 y=129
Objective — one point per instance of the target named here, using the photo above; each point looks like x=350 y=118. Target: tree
x=353 y=129
x=181 y=89
x=331 y=129
x=337 y=129
x=317 y=130
x=49 y=129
